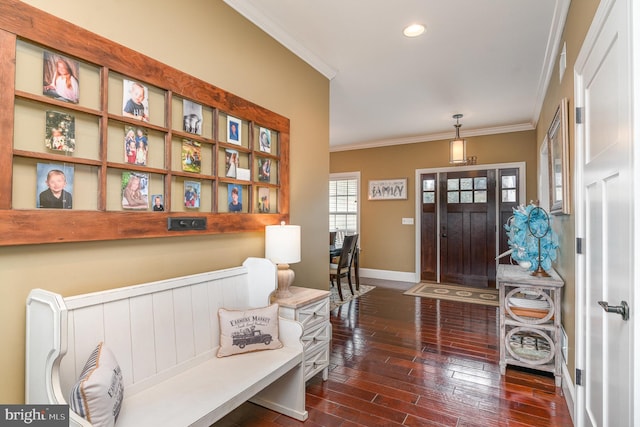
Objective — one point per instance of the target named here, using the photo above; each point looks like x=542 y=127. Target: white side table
x=530 y=320
x=310 y=307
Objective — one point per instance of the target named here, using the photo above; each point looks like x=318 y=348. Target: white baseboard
x=568 y=389
x=398 y=276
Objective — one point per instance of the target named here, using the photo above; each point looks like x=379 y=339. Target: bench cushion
x=97 y=396
x=205 y=393
x=243 y=331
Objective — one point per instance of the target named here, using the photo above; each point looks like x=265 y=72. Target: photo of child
x=142 y=146
x=130 y=145
x=191 y=156
x=192 y=117
x=235 y=198
x=233 y=130
x=264 y=170
x=54 y=186
x=158 y=202
x=191 y=194
x=263 y=200
x=135 y=100
x=60 y=131
x=136 y=145
x=135 y=190
x=231 y=163
x=60 y=77
x=265 y=140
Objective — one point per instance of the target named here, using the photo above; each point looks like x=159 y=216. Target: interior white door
x=604 y=219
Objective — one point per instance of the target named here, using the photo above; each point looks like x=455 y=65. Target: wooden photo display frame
x=99 y=157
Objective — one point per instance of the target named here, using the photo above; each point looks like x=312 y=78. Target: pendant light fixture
x=458 y=146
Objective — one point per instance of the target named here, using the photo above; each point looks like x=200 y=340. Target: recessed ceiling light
x=413 y=30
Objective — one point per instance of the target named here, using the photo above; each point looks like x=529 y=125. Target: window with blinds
x=343 y=205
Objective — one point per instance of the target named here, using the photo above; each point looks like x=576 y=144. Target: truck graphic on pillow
x=251 y=336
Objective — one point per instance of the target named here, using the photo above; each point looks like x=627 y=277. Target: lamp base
x=285 y=279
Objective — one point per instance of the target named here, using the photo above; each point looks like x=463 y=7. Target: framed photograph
x=263 y=200
x=191 y=156
x=265 y=140
x=157 y=201
x=192 y=117
x=234 y=130
x=192 y=194
x=264 y=170
x=54 y=186
x=135 y=190
x=136 y=145
x=135 y=99
x=231 y=161
x=60 y=77
x=558 y=138
x=388 y=189
x=234 y=197
x=60 y=132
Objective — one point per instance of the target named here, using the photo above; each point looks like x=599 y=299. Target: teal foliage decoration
x=524 y=228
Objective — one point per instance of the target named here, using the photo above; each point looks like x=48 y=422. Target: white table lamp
x=282 y=247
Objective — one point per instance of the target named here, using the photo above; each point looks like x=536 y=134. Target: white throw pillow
x=242 y=331
x=97 y=396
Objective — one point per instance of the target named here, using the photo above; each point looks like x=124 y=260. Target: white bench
x=165 y=336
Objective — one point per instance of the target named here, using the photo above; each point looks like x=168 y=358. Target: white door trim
x=635 y=135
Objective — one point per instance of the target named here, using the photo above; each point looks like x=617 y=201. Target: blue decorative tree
x=532 y=241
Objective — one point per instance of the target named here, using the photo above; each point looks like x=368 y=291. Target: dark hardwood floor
x=400 y=360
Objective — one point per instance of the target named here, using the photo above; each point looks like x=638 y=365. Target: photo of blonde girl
x=60 y=77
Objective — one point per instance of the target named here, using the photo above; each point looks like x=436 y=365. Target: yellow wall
x=210 y=41
x=578 y=21
x=386 y=244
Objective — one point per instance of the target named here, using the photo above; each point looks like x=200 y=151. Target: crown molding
x=560 y=13
x=244 y=8
x=431 y=137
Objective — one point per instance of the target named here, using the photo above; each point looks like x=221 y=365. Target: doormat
x=455 y=293
x=335 y=298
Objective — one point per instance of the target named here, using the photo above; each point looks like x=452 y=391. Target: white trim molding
x=397 y=276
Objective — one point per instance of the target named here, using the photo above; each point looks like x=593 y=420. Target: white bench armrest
x=290 y=332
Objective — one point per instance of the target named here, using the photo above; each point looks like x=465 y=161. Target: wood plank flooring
x=406 y=361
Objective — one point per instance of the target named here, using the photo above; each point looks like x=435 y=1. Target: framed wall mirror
x=558 y=139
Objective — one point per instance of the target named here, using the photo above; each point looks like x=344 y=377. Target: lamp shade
x=457 y=147
x=458 y=151
x=282 y=243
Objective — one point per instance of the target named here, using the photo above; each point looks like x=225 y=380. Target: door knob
x=622 y=309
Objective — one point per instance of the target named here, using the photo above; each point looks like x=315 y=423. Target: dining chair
x=342 y=267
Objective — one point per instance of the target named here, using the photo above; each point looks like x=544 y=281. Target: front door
x=468 y=227
x=604 y=220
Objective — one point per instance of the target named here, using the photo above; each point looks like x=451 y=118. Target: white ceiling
x=490 y=60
